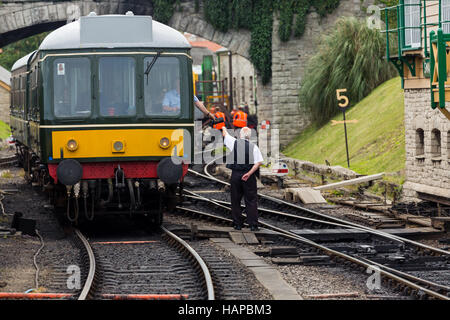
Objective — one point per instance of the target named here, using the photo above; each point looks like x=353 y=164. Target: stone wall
x=4 y=104
x=289 y=61
x=427 y=171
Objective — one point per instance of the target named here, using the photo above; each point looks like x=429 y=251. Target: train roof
x=22 y=61
x=114 y=31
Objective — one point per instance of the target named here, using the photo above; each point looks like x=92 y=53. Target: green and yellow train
x=102 y=114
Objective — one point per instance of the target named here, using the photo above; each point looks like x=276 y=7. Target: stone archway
x=191 y=22
x=21 y=19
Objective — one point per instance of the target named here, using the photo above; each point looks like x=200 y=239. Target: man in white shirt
x=245 y=161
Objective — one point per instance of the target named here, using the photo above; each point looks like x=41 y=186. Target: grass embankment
x=376 y=142
x=5 y=131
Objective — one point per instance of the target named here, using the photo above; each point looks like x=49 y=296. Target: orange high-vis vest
x=240 y=119
x=219 y=126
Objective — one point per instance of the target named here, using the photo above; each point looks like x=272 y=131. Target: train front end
x=116 y=129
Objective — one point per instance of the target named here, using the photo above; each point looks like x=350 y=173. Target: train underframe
x=88 y=198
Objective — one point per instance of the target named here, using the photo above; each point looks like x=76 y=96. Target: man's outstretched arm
x=203 y=109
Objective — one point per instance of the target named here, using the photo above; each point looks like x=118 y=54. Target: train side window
x=72 y=87
x=162 y=95
x=23 y=81
x=117 y=79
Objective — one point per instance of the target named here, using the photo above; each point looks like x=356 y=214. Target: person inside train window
x=162 y=88
x=171 y=101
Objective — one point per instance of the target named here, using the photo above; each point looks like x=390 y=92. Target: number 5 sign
x=343 y=98
x=343 y=105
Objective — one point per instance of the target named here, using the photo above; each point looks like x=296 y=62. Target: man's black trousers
x=247 y=189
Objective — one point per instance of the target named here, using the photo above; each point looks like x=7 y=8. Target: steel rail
x=339 y=221
x=202 y=264
x=292 y=236
x=92 y=267
x=407 y=275
x=207 y=175
x=295 y=217
x=8 y=161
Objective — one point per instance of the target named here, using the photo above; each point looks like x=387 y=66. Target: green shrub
x=15 y=51
x=351 y=57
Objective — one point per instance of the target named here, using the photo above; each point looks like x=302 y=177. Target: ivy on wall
x=197 y=5
x=256 y=16
x=240 y=11
x=300 y=22
x=163 y=10
x=217 y=13
x=261 y=39
x=288 y=8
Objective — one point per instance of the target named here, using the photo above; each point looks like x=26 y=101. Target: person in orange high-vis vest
x=218 y=115
x=240 y=118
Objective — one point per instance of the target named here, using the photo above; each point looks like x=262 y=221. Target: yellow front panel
x=98 y=143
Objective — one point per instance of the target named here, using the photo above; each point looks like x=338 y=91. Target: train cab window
x=117 y=86
x=72 y=87
x=162 y=94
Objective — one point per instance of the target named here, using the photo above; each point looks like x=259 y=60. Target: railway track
x=162 y=266
x=273 y=206
x=8 y=161
x=392 y=265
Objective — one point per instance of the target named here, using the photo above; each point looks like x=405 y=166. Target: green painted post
x=442 y=71
x=207 y=69
x=432 y=65
x=399 y=33
x=440 y=15
x=427 y=54
x=387 y=34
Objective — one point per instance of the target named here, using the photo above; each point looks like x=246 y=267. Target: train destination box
x=111 y=30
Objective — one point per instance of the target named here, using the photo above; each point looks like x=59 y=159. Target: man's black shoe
x=254 y=228
x=236 y=227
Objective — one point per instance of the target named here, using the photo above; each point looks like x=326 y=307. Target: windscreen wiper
x=150 y=65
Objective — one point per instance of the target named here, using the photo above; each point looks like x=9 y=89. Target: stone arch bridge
x=277 y=101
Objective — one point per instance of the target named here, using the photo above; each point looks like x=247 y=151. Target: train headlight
x=164 y=143
x=118 y=146
x=72 y=145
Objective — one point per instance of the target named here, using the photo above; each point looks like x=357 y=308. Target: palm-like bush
x=351 y=57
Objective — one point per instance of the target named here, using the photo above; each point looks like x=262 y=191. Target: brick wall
x=428 y=169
